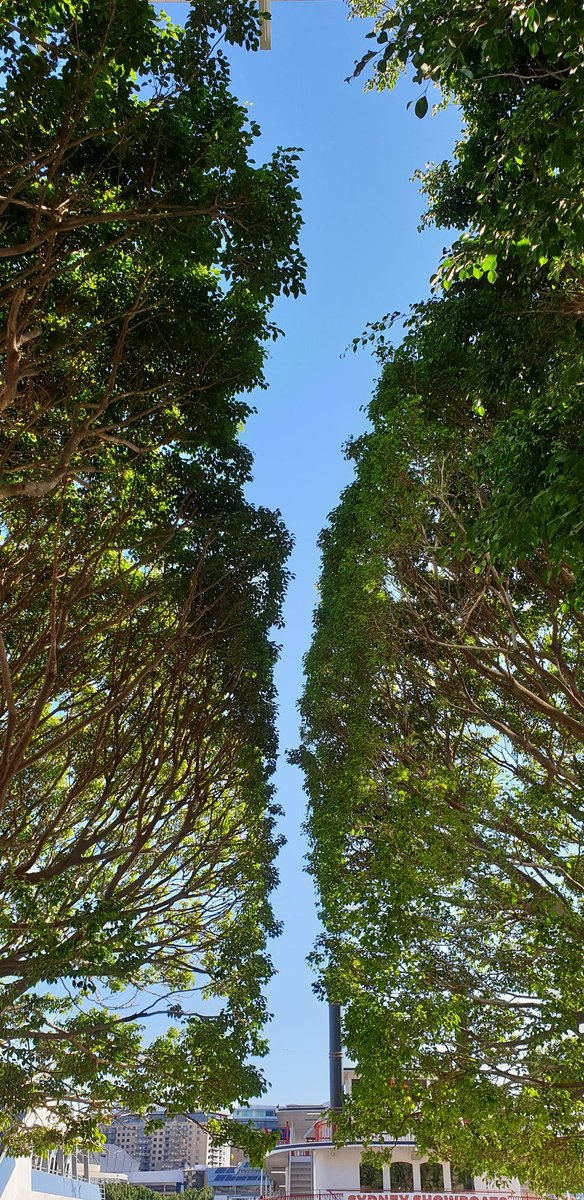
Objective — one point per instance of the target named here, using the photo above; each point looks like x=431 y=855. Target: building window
x=370 y=1177
x=432 y=1177
x=402 y=1177
x=462 y=1181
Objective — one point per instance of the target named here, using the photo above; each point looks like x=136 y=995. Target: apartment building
x=180 y=1141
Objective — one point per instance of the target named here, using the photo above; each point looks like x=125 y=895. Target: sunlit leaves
x=516 y=71
x=443 y=733
x=142 y=248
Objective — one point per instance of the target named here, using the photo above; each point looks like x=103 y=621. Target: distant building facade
x=178 y=1142
x=259 y=1116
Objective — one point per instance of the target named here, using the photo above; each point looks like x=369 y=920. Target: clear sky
x=365 y=258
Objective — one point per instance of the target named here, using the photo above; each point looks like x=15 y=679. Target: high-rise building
x=180 y=1141
x=128 y=1133
x=259 y=1116
x=217 y=1156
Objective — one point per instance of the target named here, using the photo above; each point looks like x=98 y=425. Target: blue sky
x=365 y=258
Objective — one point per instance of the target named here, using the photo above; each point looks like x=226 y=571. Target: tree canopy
x=119 y=1190
x=516 y=72
x=443 y=725
x=442 y=713
x=141 y=247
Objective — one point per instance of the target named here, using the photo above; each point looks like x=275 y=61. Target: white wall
x=17 y=1177
x=338 y=1170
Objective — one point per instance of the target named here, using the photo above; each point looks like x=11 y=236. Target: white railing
x=67 y=1166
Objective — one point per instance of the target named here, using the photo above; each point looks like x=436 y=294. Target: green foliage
x=443 y=709
x=445 y=815
x=141 y=249
x=503 y=366
x=132 y=1191
x=255 y=1143
x=516 y=71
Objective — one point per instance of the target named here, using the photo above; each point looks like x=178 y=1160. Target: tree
x=442 y=735
x=515 y=70
x=127 y=1191
x=132 y=1191
x=443 y=741
x=502 y=364
x=137 y=835
x=142 y=249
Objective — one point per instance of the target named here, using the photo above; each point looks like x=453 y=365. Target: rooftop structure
x=297 y=1121
x=166 y=1182
x=112 y=1162
x=236 y=1183
x=260 y=1116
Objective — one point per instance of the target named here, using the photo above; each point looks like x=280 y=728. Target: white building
x=218 y=1156
x=61 y=1175
x=317 y=1169
x=307 y=1164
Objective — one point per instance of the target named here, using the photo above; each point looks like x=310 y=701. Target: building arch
x=461 y=1181
x=431 y=1177
x=401 y=1174
x=370 y=1177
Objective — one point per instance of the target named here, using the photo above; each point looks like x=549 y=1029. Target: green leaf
x=360 y=66
x=421 y=106
x=489 y=262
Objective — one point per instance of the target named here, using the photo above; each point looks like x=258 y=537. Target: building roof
x=242 y=1173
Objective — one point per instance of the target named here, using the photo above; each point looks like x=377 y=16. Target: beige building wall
x=179 y=1142
x=218 y=1156
x=126 y=1134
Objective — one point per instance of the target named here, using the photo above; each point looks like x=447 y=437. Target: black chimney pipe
x=335 y=1056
